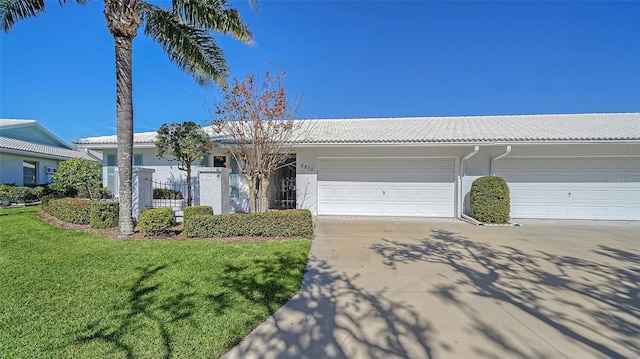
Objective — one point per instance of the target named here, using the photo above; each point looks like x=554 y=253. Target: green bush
x=47 y=198
x=80 y=175
x=490 y=201
x=104 y=214
x=163 y=193
x=71 y=210
x=18 y=194
x=288 y=223
x=155 y=221
x=101 y=193
x=57 y=190
x=189 y=212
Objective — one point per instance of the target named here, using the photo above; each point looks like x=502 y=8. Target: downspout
x=462 y=170
x=493 y=160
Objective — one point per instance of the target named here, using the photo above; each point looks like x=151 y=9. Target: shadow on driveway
x=432 y=292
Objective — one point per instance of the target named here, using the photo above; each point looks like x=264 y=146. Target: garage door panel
x=596 y=195
x=573 y=188
x=538 y=210
x=578 y=211
x=406 y=187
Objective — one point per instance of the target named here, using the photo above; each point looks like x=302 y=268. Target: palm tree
x=184 y=32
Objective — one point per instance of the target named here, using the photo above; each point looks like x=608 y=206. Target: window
x=137 y=160
x=111 y=160
x=111 y=173
x=220 y=161
x=29 y=173
x=205 y=161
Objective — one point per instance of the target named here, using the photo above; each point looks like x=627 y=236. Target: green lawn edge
x=74 y=294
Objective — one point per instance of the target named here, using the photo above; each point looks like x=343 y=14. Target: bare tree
x=257 y=125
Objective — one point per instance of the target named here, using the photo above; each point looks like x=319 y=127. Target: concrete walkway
x=424 y=288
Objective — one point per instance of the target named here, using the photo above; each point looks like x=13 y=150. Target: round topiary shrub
x=490 y=201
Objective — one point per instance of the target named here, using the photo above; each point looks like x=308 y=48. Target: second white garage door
x=386 y=187
x=573 y=188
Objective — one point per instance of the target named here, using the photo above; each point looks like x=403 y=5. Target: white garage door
x=386 y=187
x=573 y=188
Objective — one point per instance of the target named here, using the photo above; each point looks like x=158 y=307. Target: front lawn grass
x=74 y=294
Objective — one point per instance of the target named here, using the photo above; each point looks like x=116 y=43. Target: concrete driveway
x=425 y=288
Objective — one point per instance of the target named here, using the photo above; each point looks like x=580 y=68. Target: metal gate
x=172 y=194
x=286 y=198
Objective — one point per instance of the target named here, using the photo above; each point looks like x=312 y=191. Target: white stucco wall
x=476 y=166
x=11 y=168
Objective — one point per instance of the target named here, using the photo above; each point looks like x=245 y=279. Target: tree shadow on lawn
x=143 y=308
x=332 y=317
x=593 y=303
x=144 y=325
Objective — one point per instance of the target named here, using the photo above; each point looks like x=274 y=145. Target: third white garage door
x=386 y=187
x=573 y=188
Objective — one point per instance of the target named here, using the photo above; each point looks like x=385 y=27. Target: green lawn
x=72 y=294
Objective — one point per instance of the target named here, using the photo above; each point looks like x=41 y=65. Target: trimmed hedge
x=287 y=223
x=490 y=201
x=192 y=211
x=164 y=193
x=155 y=221
x=104 y=214
x=71 y=210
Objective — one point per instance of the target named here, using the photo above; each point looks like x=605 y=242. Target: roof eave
x=37 y=154
x=462 y=143
x=103 y=146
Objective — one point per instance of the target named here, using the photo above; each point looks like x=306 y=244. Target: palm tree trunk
x=124 y=113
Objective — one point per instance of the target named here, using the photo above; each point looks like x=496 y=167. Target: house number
x=307 y=167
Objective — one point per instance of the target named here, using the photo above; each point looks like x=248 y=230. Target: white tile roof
x=142 y=137
x=467 y=129
x=12 y=144
x=8 y=122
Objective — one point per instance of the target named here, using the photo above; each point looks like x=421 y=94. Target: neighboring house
x=30 y=154
x=573 y=166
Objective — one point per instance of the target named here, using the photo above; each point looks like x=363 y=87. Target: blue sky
x=344 y=58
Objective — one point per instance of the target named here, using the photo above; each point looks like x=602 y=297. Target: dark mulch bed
x=174 y=234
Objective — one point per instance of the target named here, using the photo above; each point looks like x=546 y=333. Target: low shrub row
x=104 y=214
x=189 y=212
x=82 y=211
x=155 y=221
x=199 y=221
x=287 y=223
x=71 y=210
x=21 y=194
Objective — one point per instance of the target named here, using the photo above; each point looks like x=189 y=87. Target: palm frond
x=12 y=11
x=191 y=49
x=213 y=15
